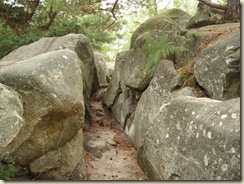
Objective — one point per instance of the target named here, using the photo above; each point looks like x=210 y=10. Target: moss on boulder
x=172 y=21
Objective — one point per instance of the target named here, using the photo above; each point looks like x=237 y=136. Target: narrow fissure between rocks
x=108 y=154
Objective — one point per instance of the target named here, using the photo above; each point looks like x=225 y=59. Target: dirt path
x=108 y=154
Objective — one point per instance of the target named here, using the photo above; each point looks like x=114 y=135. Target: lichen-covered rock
x=205 y=15
x=217 y=68
x=114 y=88
x=52 y=93
x=101 y=70
x=129 y=79
x=171 y=22
x=61 y=163
x=74 y=42
x=11 y=115
x=199 y=38
x=193 y=139
x=165 y=81
x=125 y=105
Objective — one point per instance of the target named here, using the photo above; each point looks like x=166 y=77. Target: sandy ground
x=108 y=154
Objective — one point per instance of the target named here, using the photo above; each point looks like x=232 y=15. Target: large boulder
x=130 y=78
x=65 y=163
x=74 y=42
x=101 y=70
x=127 y=83
x=11 y=115
x=193 y=139
x=172 y=22
x=114 y=88
x=161 y=89
x=217 y=68
x=196 y=39
x=51 y=88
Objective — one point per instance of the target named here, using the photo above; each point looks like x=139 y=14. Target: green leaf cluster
x=7 y=169
x=155 y=51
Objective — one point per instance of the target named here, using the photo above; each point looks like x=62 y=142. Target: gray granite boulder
x=217 y=68
x=101 y=70
x=11 y=115
x=74 y=42
x=172 y=22
x=193 y=139
x=126 y=85
x=164 y=86
x=51 y=89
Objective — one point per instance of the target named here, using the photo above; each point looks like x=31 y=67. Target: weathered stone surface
x=205 y=15
x=101 y=70
x=159 y=91
x=125 y=105
x=171 y=22
x=193 y=139
x=59 y=164
x=199 y=38
x=110 y=66
x=128 y=72
x=124 y=90
x=132 y=71
x=52 y=93
x=11 y=115
x=217 y=68
x=114 y=89
x=74 y=42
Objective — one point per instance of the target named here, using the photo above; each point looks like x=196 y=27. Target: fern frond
x=155 y=51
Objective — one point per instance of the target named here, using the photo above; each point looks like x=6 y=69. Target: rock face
x=129 y=78
x=220 y=75
x=52 y=93
x=198 y=39
x=179 y=136
x=205 y=15
x=75 y=42
x=110 y=66
x=159 y=92
x=11 y=115
x=102 y=71
x=171 y=22
x=193 y=139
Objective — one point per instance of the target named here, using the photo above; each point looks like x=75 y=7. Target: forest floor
x=108 y=154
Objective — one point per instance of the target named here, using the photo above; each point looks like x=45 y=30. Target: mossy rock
x=172 y=21
x=206 y=15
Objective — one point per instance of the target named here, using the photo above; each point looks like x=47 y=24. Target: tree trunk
x=233 y=10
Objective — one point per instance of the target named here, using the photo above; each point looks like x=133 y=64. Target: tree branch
x=213 y=5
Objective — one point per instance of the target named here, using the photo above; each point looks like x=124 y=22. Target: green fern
x=155 y=51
